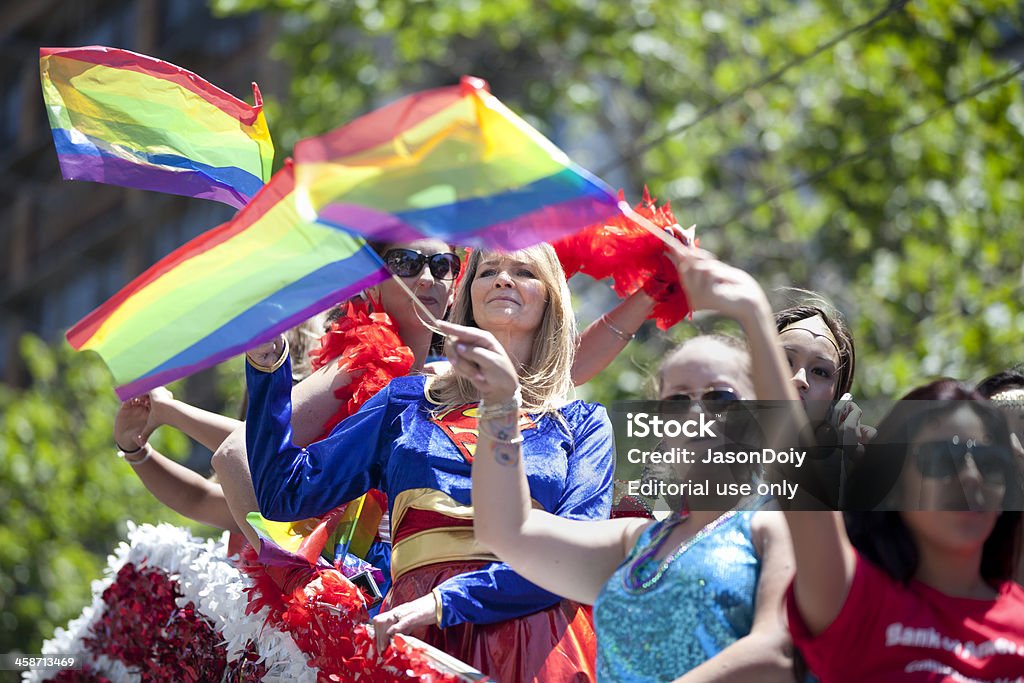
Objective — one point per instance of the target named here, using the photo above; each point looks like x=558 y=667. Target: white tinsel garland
x=205 y=578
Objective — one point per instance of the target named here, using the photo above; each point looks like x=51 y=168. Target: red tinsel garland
x=143 y=627
x=634 y=258
x=330 y=626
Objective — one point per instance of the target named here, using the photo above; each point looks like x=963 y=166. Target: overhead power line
x=755 y=85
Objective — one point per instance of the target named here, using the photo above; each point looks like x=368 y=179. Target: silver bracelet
x=621 y=334
x=509 y=407
x=134 y=463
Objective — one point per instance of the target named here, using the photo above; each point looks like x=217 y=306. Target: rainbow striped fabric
x=452 y=163
x=348 y=528
x=303 y=539
x=226 y=291
x=127 y=119
x=358 y=526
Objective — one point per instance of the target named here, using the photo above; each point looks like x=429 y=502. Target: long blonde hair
x=546 y=376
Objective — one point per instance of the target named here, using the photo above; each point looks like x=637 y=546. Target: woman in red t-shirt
x=923 y=593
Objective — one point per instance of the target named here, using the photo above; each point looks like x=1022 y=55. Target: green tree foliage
x=819 y=178
x=65 y=495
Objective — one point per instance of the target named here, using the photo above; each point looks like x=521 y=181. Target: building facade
x=65 y=247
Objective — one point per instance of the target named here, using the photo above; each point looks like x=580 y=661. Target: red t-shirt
x=890 y=633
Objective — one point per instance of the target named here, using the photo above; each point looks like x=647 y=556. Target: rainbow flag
x=305 y=538
x=452 y=163
x=358 y=526
x=229 y=289
x=127 y=119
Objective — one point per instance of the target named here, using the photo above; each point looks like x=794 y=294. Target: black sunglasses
x=714 y=400
x=944 y=459
x=409 y=263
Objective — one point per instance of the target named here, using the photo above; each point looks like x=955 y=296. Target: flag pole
x=431 y=321
x=661 y=233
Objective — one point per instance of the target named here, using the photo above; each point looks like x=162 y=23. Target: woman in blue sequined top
x=695 y=597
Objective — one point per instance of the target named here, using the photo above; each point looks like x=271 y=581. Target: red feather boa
x=634 y=258
x=367 y=346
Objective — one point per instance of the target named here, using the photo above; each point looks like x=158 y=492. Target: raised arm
x=825 y=566
x=605 y=338
x=825 y=560
x=569 y=557
x=294 y=483
x=209 y=429
x=173 y=484
x=763 y=655
x=313 y=405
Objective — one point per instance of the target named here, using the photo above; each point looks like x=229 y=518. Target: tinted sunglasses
x=409 y=263
x=714 y=400
x=944 y=459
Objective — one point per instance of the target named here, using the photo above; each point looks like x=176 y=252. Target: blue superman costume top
x=422 y=460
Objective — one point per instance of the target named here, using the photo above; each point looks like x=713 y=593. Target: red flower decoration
x=143 y=628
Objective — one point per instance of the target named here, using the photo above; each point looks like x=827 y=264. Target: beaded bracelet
x=621 y=334
x=509 y=407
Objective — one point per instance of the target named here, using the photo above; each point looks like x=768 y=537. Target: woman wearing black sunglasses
x=923 y=590
x=697 y=596
x=319 y=401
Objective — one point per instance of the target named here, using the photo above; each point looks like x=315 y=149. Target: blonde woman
x=416 y=439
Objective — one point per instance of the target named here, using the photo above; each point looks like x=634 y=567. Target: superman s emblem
x=460 y=425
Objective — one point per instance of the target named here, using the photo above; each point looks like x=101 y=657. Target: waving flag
x=127 y=119
x=226 y=291
x=452 y=163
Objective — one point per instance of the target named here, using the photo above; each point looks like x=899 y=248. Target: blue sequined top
x=703 y=603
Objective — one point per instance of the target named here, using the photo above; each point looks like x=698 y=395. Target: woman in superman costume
x=415 y=440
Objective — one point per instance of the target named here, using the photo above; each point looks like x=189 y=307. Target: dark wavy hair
x=835 y=324
x=883 y=537
x=1002 y=381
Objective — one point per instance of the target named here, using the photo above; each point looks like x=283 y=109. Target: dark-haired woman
x=1006 y=390
x=822 y=358
x=923 y=593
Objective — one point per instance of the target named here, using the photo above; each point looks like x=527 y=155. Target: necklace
x=632 y=580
